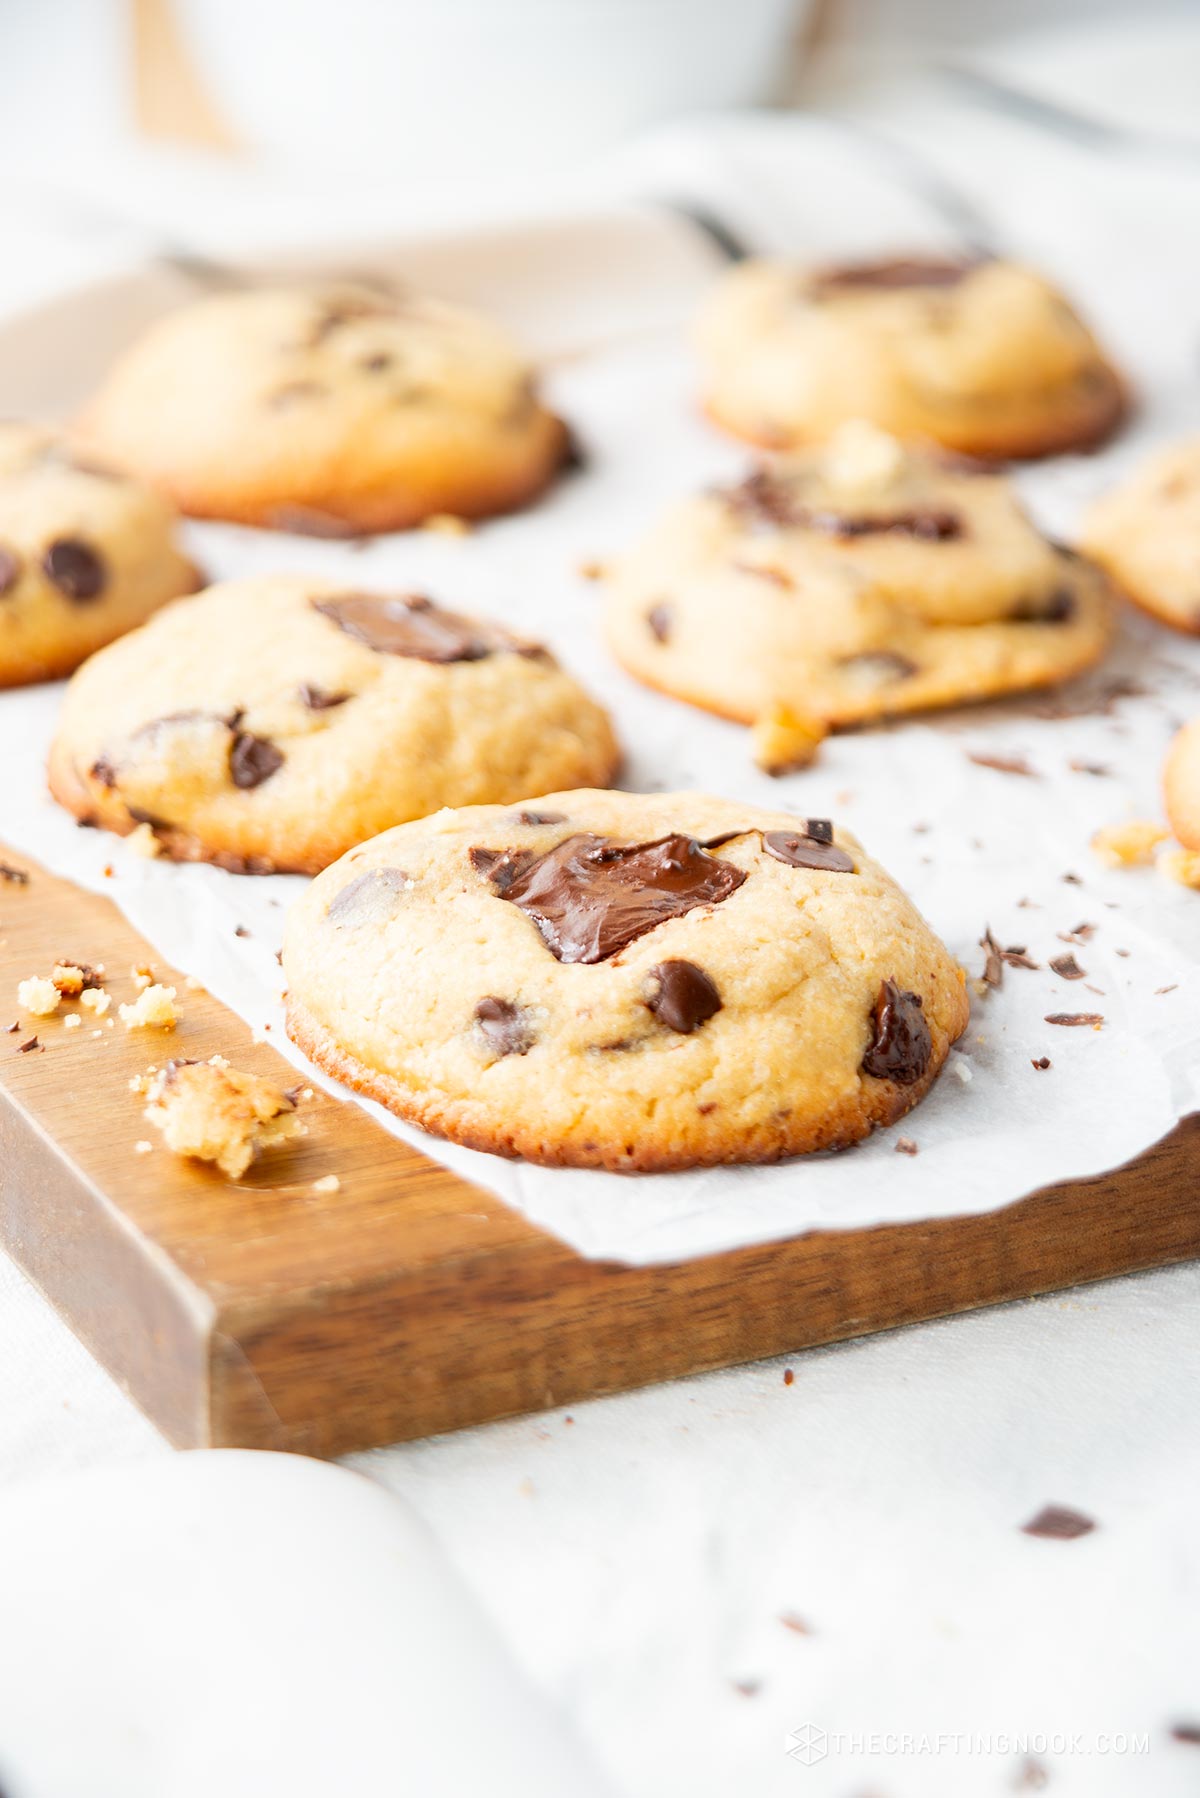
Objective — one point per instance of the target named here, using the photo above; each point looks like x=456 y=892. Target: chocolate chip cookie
x=854 y=582
x=1147 y=534
x=333 y=412
x=627 y=982
x=85 y=554
x=978 y=354
x=272 y=723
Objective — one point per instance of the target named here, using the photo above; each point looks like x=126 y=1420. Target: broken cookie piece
x=209 y=1111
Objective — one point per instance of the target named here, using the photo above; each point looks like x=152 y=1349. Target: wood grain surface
x=265 y=1313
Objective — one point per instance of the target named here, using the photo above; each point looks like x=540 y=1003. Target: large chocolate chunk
x=415 y=627
x=371 y=899
x=890 y=274
x=682 y=996
x=506 y=1028
x=902 y=1044
x=76 y=569
x=252 y=760
x=591 y=898
x=807 y=849
x=766 y=498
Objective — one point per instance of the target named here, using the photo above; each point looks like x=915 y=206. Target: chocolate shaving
x=993 y=967
x=902 y=1045
x=1004 y=764
x=1067 y=968
x=27 y=1048
x=1041 y=1063
x=904 y=1145
x=682 y=996
x=589 y=898
x=505 y=1026
x=1058 y=1523
x=1058 y=608
x=1094 y=1018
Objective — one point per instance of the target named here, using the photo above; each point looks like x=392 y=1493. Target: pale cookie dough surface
x=261 y=726
x=1181 y=783
x=335 y=412
x=745 y=1025
x=85 y=555
x=1147 y=534
x=852 y=583
x=984 y=357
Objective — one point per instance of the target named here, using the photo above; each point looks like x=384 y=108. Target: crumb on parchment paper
x=1129 y=845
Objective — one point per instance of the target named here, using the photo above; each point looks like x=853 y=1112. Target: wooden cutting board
x=270 y=1315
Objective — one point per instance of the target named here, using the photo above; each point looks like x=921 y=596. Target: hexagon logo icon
x=807 y=1744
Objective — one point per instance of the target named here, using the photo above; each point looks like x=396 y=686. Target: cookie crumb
x=1129 y=845
x=208 y=1111
x=71 y=978
x=154 y=1009
x=38 y=996
x=593 y=571
x=73 y=1022
x=330 y=1183
x=1182 y=866
x=448 y=524
x=143 y=1147
x=95 y=999
x=143 y=841
x=192 y=985
x=904 y=1145
x=784 y=740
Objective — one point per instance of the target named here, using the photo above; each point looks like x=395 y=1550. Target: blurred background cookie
x=85 y=554
x=978 y=354
x=1147 y=534
x=854 y=581
x=273 y=723
x=624 y=981
x=336 y=412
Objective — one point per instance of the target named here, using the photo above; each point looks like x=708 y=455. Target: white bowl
x=444 y=88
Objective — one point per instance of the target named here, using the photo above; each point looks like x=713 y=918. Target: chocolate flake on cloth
x=904 y=1145
x=1067 y=968
x=1004 y=764
x=1092 y=1018
x=1082 y=933
x=1041 y=1063
x=998 y=959
x=589 y=898
x=1058 y=1523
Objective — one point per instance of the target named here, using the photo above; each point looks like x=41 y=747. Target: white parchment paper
x=974 y=846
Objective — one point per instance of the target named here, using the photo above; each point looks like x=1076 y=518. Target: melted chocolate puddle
x=415 y=627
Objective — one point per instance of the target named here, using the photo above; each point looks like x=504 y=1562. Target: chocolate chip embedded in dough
x=316 y=699
x=799 y=850
x=253 y=760
x=589 y=897
x=371 y=899
x=660 y=618
x=682 y=996
x=10 y=570
x=902 y=1045
x=506 y=1027
x=76 y=569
